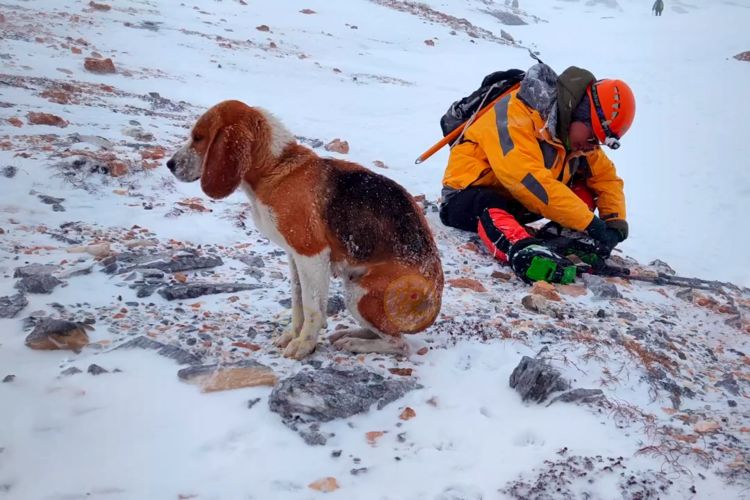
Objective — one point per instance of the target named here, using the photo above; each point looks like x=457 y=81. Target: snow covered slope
x=81 y=158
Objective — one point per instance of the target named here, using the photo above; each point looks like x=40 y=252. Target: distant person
x=658 y=7
x=537 y=153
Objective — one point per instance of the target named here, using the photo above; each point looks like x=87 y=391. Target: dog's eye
x=197 y=138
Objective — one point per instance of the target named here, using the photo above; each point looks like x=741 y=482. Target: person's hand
x=608 y=237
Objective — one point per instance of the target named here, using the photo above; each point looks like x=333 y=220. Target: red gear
x=499 y=230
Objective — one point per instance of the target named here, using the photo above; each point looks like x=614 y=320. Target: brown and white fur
x=332 y=217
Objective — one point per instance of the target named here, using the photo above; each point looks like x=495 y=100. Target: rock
x=52 y=334
x=314 y=396
x=96 y=370
x=118 y=168
x=252 y=402
x=39 y=283
x=730 y=384
x=99 y=6
x=535 y=303
x=211 y=378
x=467 y=283
x=579 y=395
x=407 y=414
x=46 y=119
x=601 y=288
x=193 y=290
x=169 y=351
x=743 y=56
x=662 y=267
x=70 y=371
x=534 y=380
x=506 y=18
x=10 y=171
x=15 y=121
x=507 y=36
x=627 y=315
x=706 y=426
x=263 y=27
x=335 y=305
x=97 y=250
x=12 y=304
x=572 y=290
x=307 y=11
x=338 y=146
x=187 y=261
x=101 y=66
x=325 y=485
x=546 y=290
x=252 y=260
x=34 y=269
x=429 y=43
x=8 y=378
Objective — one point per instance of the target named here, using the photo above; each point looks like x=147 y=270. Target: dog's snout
x=171 y=165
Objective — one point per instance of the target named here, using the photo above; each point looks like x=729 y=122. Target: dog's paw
x=299 y=348
x=283 y=340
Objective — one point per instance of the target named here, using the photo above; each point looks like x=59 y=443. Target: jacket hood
x=571 y=88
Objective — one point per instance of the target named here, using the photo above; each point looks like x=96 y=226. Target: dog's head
x=226 y=143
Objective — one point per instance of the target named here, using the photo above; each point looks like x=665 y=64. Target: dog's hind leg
x=297 y=316
x=314 y=279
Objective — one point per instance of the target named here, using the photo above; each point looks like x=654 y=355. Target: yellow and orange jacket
x=510 y=149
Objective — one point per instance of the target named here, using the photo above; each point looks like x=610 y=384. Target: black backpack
x=492 y=86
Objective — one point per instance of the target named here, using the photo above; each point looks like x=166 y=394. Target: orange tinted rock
x=76 y=50
x=546 y=290
x=15 y=121
x=337 y=146
x=100 y=6
x=743 y=56
x=153 y=153
x=101 y=66
x=223 y=378
x=118 y=169
x=46 y=119
x=706 y=426
x=325 y=485
x=572 y=290
x=407 y=414
x=373 y=436
x=422 y=351
x=469 y=283
x=403 y=372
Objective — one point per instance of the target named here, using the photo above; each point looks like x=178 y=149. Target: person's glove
x=607 y=236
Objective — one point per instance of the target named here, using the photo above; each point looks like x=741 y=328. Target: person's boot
x=532 y=261
x=499 y=230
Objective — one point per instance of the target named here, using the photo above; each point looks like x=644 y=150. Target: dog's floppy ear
x=226 y=159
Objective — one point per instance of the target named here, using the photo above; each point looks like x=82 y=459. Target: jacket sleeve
x=607 y=186
x=516 y=159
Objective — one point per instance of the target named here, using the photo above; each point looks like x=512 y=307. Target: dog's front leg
x=314 y=278
x=297 y=317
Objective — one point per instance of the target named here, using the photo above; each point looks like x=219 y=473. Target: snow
x=142 y=433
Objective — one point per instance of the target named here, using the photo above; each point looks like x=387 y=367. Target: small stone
x=263 y=27
x=535 y=303
x=402 y=372
x=70 y=371
x=103 y=7
x=467 y=283
x=101 y=66
x=53 y=334
x=601 y=288
x=96 y=370
x=373 y=436
x=407 y=414
x=212 y=378
x=429 y=43
x=307 y=11
x=12 y=305
x=358 y=471
x=8 y=378
x=579 y=395
x=535 y=380
x=40 y=283
x=35 y=118
x=732 y=403
x=34 y=269
x=337 y=146
x=601 y=313
x=252 y=402
x=422 y=351
x=546 y=290
x=571 y=290
x=325 y=485
x=499 y=275
x=706 y=426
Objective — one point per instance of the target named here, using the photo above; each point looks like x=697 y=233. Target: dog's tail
x=412 y=302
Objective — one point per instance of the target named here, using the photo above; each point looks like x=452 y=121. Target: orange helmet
x=612 y=110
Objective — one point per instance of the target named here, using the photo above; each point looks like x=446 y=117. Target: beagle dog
x=333 y=217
